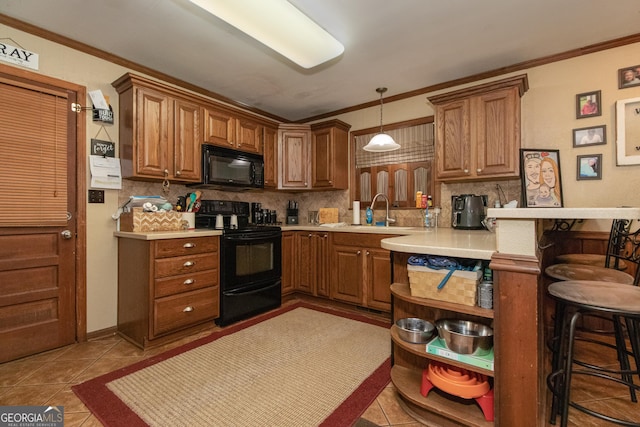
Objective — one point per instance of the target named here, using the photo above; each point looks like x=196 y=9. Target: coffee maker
x=468 y=211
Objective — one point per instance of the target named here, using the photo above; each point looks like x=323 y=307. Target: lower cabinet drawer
x=185 y=282
x=185 y=309
x=165 y=267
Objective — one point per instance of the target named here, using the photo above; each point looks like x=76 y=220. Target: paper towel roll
x=356 y=212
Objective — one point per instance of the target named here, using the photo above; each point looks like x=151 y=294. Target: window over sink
x=398 y=174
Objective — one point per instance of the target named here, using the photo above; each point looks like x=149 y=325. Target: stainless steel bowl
x=415 y=330
x=465 y=337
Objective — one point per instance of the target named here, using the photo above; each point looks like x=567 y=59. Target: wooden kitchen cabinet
x=159 y=132
x=293 y=157
x=166 y=288
x=231 y=130
x=313 y=157
x=478 y=131
x=360 y=270
x=270 y=148
x=330 y=155
x=312 y=271
x=289 y=264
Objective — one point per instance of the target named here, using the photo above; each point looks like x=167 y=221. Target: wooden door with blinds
x=37 y=223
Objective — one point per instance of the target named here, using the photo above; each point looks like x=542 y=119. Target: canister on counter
x=485 y=294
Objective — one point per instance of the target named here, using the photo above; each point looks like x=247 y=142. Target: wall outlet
x=96 y=196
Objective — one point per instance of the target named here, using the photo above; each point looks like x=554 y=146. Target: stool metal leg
x=566 y=393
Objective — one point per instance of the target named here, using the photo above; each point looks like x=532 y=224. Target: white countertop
x=373 y=229
x=475 y=244
x=160 y=235
x=564 y=213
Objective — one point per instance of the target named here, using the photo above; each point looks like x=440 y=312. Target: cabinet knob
x=368 y=253
x=189 y=245
x=310 y=235
x=189 y=264
x=466 y=171
x=358 y=253
x=478 y=170
x=187 y=309
x=178 y=173
x=189 y=282
x=305 y=184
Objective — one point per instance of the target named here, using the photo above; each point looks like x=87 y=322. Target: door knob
x=66 y=234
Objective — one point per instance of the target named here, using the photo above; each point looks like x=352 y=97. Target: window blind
x=416 y=145
x=33 y=149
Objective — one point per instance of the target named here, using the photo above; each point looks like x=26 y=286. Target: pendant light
x=381 y=142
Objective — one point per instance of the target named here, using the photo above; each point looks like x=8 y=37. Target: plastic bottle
x=369 y=215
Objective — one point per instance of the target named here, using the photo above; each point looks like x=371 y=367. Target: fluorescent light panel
x=280 y=26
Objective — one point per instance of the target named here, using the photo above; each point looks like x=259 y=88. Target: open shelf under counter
x=403 y=292
x=450 y=410
x=421 y=350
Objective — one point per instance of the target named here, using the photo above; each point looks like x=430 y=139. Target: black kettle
x=468 y=211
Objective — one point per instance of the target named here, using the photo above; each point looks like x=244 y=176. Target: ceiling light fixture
x=280 y=26
x=381 y=141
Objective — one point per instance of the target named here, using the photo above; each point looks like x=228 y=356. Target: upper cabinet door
x=270 y=157
x=293 y=161
x=219 y=127
x=152 y=124
x=453 y=143
x=187 y=141
x=248 y=136
x=498 y=133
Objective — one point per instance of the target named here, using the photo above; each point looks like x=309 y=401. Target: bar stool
x=613 y=246
x=573 y=300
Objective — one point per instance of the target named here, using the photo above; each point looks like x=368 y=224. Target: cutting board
x=328 y=215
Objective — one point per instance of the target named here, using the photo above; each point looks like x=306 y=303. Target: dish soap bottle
x=369 y=215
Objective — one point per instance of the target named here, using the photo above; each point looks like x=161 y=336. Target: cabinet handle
x=189 y=282
x=189 y=264
x=187 y=309
x=189 y=245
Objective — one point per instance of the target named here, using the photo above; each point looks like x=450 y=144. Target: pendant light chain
x=381 y=90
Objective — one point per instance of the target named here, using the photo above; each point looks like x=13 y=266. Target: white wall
x=548 y=117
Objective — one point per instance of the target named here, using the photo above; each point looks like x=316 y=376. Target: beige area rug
x=300 y=368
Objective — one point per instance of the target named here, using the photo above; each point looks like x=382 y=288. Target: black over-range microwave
x=224 y=168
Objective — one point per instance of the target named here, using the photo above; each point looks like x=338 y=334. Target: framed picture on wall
x=629 y=76
x=541 y=179
x=588 y=104
x=589 y=167
x=594 y=135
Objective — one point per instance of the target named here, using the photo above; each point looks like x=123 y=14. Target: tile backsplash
x=313 y=201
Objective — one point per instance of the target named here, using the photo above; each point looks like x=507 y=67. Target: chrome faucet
x=387 y=220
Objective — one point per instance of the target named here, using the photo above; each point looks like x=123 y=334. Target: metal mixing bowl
x=415 y=330
x=465 y=337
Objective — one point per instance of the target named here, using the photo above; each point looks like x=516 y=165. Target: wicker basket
x=461 y=288
x=139 y=221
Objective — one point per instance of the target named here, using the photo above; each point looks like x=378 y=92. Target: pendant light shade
x=381 y=142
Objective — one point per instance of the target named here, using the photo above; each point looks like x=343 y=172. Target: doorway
x=42 y=228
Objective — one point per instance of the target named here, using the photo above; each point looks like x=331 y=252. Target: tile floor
x=47 y=379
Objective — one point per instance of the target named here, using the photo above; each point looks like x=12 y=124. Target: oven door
x=250 y=257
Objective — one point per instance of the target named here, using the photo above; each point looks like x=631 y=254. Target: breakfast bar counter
x=520 y=393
